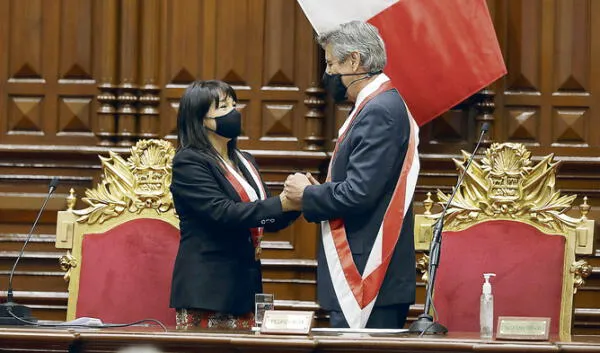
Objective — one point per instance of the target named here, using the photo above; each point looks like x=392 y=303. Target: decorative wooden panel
x=48 y=74
x=572 y=65
x=547 y=99
x=236 y=38
x=523 y=124
x=450 y=128
x=525 y=44
x=278 y=121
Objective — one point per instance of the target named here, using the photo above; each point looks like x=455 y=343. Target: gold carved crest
x=140 y=182
x=507 y=184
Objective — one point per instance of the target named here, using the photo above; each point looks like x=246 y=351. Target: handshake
x=291 y=196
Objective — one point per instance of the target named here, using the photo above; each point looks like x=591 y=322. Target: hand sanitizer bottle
x=486 y=308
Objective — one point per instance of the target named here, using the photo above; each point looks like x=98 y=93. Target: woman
x=223 y=207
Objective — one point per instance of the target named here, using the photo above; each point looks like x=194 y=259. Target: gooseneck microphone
x=10 y=309
x=424 y=323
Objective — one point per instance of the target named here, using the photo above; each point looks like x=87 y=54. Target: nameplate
x=523 y=328
x=287 y=322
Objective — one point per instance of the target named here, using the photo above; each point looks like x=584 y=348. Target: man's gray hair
x=358 y=36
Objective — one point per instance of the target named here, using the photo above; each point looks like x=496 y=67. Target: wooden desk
x=109 y=340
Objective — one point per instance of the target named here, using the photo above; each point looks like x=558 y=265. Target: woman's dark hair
x=193 y=107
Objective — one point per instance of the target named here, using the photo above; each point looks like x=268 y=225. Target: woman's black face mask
x=229 y=125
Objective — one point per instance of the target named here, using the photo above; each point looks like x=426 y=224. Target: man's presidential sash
x=357 y=294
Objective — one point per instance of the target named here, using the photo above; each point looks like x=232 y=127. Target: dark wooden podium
x=110 y=340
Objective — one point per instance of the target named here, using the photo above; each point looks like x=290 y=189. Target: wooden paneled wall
x=81 y=77
x=106 y=72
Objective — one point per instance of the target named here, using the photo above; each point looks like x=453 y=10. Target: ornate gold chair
x=507 y=218
x=121 y=249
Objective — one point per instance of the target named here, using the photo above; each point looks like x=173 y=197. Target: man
x=366 y=272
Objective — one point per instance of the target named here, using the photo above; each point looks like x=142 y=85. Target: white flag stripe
x=325 y=15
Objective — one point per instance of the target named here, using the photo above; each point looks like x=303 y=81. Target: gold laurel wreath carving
x=140 y=182
x=506 y=184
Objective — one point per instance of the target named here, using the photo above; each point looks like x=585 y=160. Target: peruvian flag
x=440 y=52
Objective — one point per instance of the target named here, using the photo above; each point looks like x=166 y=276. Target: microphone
x=424 y=323
x=10 y=312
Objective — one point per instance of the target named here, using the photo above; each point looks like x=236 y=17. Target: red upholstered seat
x=528 y=266
x=126 y=272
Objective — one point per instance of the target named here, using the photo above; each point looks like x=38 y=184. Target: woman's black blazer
x=215 y=268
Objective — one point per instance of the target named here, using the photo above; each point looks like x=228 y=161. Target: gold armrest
x=584 y=233
x=424 y=226
x=65 y=224
x=423 y=232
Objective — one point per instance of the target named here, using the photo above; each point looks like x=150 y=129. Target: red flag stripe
x=439 y=52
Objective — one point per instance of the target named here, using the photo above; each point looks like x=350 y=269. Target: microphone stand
x=12 y=313
x=424 y=323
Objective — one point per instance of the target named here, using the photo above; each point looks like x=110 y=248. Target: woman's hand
x=287 y=205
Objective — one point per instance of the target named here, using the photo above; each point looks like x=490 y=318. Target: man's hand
x=294 y=188
x=312 y=179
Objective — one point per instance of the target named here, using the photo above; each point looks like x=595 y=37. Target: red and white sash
x=247 y=193
x=357 y=294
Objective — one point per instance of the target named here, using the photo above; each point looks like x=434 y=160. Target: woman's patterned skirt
x=198 y=318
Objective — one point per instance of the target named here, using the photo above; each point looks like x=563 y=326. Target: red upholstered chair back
x=529 y=274
x=125 y=242
x=507 y=218
x=126 y=273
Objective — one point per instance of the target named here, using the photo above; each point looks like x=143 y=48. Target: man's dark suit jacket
x=364 y=174
x=215 y=267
